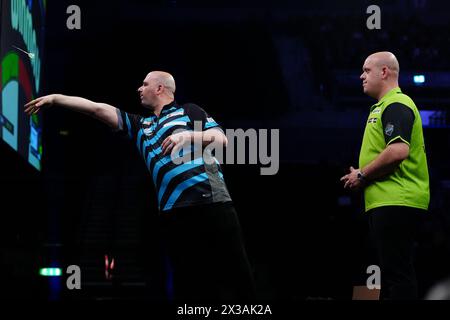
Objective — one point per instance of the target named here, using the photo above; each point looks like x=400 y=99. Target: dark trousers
x=393 y=230
x=206 y=251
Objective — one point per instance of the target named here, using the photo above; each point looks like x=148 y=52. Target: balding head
x=386 y=58
x=163 y=78
x=380 y=74
x=157 y=90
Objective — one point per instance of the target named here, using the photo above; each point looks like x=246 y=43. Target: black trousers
x=206 y=251
x=393 y=230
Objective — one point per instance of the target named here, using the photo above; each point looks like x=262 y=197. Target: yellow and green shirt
x=408 y=185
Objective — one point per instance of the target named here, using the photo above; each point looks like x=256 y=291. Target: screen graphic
x=21 y=48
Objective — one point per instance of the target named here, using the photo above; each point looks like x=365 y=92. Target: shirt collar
x=168 y=107
x=165 y=109
x=389 y=94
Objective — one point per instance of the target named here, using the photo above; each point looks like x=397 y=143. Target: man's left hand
x=176 y=141
x=351 y=180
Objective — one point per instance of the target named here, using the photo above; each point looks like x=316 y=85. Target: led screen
x=21 y=49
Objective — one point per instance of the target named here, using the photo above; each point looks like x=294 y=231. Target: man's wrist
x=55 y=98
x=361 y=176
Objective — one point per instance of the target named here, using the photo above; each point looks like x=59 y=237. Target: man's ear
x=384 y=72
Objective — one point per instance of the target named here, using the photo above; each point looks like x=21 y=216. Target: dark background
x=287 y=65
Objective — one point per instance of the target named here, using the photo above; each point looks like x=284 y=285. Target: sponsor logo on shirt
x=389 y=129
x=377 y=110
x=372 y=120
x=148 y=131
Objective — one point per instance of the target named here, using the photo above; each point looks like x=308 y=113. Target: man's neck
x=386 y=90
x=161 y=105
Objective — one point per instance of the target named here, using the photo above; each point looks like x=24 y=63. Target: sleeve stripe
x=396 y=138
x=128 y=125
x=119 y=120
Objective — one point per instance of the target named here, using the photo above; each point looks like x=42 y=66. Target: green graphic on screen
x=22 y=27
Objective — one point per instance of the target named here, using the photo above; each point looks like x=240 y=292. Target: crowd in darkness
x=343 y=41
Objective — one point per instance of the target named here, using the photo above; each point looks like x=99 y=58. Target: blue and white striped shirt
x=184 y=183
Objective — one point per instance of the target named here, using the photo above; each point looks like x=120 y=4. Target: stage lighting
x=419 y=79
x=50 y=272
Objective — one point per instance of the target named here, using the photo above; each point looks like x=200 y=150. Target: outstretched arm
x=101 y=111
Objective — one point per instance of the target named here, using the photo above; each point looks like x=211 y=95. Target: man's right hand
x=37 y=104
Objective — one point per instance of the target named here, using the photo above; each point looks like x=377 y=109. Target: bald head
x=385 y=58
x=163 y=78
x=380 y=74
x=157 y=90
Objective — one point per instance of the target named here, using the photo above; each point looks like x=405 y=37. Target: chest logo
x=148 y=131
